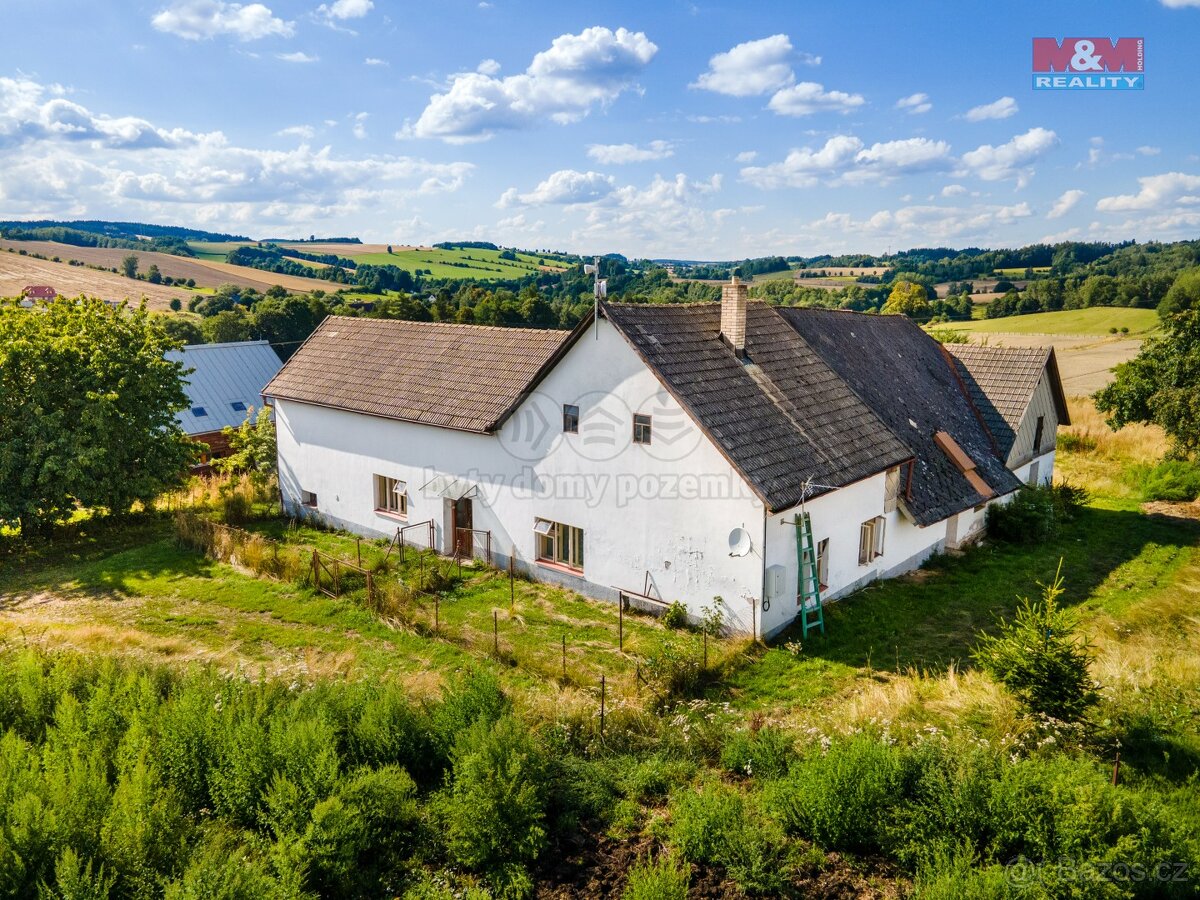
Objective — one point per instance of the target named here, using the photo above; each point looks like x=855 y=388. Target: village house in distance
x=768 y=457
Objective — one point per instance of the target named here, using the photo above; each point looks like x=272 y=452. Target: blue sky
x=695 y=130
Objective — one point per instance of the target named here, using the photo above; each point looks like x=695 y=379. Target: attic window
x=891 y=489
x=199 y=412
x=238 y=406
x=963 y=463
x=1037 y=436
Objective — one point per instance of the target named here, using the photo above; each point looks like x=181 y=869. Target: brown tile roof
x=1001 y=381
x=781 y=420
x=467 y=377
x=901 y=374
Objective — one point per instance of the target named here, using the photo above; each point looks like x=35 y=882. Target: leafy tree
x=129 y=266
x=907 y=299
x=1161 y=385
x=89 y=407
x=153 y=275
x=181 y=329
x=1041 y=658
x=252 y=446
x=176 y=304
x=1183 y=294
x=229 y=325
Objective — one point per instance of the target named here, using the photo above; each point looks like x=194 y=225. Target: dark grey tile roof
x=467 y=377
x=780 y=421
x=1002 y=380
x=906 y=378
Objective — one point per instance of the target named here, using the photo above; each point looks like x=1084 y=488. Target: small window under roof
x=238 y=406
x=199 y=411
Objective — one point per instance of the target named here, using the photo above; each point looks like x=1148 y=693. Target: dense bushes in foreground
x=125 y=781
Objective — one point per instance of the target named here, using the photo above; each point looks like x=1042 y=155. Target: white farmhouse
x=668 y=452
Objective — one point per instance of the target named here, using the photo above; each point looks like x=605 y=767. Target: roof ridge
x=465 y=326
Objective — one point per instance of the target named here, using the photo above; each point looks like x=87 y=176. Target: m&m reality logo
x=1089 y=64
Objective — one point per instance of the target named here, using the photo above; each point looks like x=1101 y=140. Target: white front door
x=952 y=532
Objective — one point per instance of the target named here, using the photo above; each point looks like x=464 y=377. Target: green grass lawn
x=1113 y=557
x=136 y=590
x=1095 y=320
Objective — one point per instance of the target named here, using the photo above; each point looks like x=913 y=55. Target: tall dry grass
x=1094 y=456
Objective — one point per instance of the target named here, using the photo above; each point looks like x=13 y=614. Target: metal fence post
x=602 y=691
x=620 y=623
x=495 y=632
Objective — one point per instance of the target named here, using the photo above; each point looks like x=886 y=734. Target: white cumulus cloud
x=808 y=97
x=845 y=159
x=197 y=20
x=750 y=68
x=998 y=109
x=1011 y=159
x=915 y=104
x=565 y=187
x=1066 y=202
x=297 y=57
x=1158 y=192
x=345 y=9
x=58 y=157
x=618 y=154
x=562 y=83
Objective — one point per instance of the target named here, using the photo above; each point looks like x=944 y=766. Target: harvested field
x=1084 y=361
x=347 y=250
x=206 y=273
x=18 y=271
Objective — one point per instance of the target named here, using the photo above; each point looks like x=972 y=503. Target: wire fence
x=424 y=597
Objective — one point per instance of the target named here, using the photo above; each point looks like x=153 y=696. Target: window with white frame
x=391 y=496
x=559 y=544
x=891 y=489
x=870 y=540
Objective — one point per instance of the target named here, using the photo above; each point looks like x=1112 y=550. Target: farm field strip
x=208 y=272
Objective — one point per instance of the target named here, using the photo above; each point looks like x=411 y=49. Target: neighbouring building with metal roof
x=764 y=459
x=222 y=382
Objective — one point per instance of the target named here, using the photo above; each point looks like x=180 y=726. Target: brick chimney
x=734 y=297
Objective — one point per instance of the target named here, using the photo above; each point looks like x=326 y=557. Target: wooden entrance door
x=464 y=518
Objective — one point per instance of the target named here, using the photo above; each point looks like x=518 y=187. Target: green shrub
x=495 y=806
x=840 y=798
x=959 y=876
x=664 y=878
x=221 y=867
x=674 y=668
x=142 y=833
x=1035 y=514
x=361 y=833
x=676 y=616
x=75 y=881
x=717 y=824
x=766 y=753
x=1041 y=658
x=1175 y=480
x=471 y=697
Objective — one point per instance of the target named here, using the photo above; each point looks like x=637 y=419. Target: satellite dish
x=739 y=542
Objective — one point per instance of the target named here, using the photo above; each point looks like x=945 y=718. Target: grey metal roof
x=224 y=375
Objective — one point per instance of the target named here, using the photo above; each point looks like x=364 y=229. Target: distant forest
x=1066 y=275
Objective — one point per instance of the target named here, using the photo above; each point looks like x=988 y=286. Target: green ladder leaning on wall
x=812 y=614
